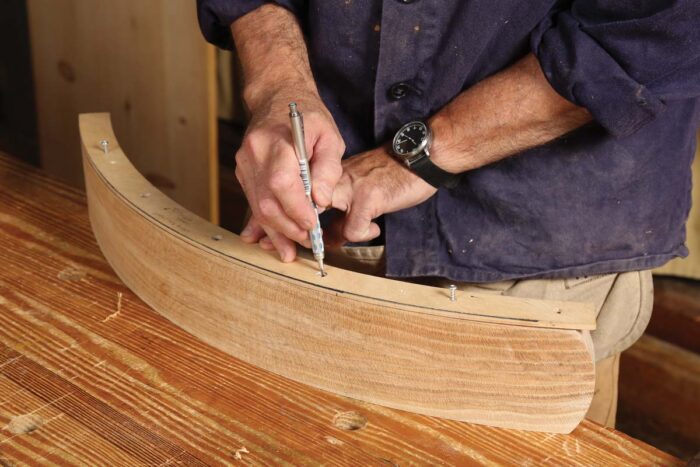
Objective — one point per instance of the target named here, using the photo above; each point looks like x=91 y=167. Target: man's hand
x=276 y=72
x=373 y=183
x=268 y=170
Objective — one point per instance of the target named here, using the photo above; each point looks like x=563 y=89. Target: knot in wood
x=349 y=421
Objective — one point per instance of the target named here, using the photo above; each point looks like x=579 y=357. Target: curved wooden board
x=492 y=360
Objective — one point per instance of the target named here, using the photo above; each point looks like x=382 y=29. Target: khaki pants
x=623 y=304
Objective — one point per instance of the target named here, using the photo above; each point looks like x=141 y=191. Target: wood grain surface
x=90 y=374
x=147 y=63
x=374 y=339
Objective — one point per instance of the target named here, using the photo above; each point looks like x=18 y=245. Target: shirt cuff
x=215 y=17
x=582 y=71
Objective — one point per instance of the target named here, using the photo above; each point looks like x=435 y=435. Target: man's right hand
x=276 y=71
x=268 y=170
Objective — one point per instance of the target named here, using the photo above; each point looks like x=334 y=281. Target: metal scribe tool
x=300 y=149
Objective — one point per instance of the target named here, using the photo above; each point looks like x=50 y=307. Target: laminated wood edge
x=117 y=172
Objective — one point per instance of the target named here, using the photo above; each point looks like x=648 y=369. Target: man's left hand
x=373 y=183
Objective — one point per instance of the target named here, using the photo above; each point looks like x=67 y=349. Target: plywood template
x=145 y=62
x=91 y=375
x=493 y=360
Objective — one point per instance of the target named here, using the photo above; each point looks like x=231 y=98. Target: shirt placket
x=406 y=40
x=409 y=37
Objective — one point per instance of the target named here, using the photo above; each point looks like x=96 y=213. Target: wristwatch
x=411 y=145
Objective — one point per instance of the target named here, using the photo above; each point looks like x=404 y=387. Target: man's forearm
x=507 y=113
x=271 y=47
x=276 y=71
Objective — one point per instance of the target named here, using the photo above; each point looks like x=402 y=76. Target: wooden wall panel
x=146 y=63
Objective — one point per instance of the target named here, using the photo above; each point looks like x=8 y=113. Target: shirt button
x=399 y=91
x=406 y=1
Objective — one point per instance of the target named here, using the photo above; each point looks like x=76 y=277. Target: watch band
x=431 y=173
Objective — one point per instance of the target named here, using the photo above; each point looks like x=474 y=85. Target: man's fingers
x=335 y=236
x=366 y=234
x=275 y=192
x=253 y=231
x=359 y=226
x=374 y=231
x=326 y=168
x=288 y=188
x=284 y=246
x=342 y=195
x=266 y=244
x=271 y=214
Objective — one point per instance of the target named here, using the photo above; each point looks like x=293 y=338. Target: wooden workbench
x=90 y=374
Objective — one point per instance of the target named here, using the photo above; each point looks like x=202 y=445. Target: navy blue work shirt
x=610 y=197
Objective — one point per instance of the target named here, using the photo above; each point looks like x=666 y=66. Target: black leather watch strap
x=431 y=173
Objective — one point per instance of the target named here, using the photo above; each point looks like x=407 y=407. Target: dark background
x=18 y=131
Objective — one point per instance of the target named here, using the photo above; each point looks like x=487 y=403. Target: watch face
x=411 y=139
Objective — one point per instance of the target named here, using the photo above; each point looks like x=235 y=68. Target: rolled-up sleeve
x=215 y=16
x=622 y=60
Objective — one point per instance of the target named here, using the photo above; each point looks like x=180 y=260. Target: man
x=562 y=136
